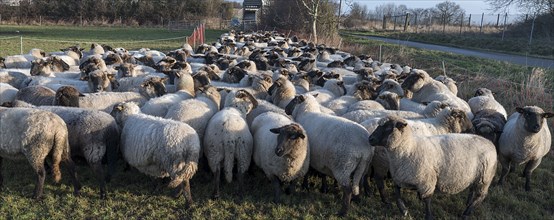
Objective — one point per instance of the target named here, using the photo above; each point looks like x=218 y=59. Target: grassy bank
x=488 y=42
x=52 y=38
x=133 y=195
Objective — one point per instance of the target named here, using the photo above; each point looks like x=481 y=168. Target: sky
x=470 y=6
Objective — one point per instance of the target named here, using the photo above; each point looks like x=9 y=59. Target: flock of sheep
x=295 y=108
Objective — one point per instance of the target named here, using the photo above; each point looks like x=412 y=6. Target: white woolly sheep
x=484 y=99
x=341 y=105
x=449 y=83
x=158 y=147
x=447 y=163
x=7 y=93
x=338 y=147
x=24 y=61
x=280 y=149
x=227 y=139
x=525 y=139
x=361 y=115
x=28 y=141
x=36 y=95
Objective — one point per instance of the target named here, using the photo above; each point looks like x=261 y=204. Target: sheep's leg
x=399 y=201
x=529 y=168
x=470 y=196
x=217 y=178
x=240 y=178
x=505 y=169
x=41 y=175
x=477 y=197
x=188 y=195
x=72 y=175
x=428 y=213
x=324 y=185
x=290 y=188
x=276 y=189
x=346 y=197
x=380 y=182
x=99 y=173
x=305 y=182
x=365 y=184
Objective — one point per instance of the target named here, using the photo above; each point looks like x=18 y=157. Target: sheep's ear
x=164 y=80
x=81 y=95
x=520 y=110
x=401 y=124
x=300 y=135
x=275 y=130
x=547 y=115
x=111 y=76
x=442 y=105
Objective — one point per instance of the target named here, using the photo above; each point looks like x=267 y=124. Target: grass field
x=489 y=42
x=132 y=195
x=53 y=38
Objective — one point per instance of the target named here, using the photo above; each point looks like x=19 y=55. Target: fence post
x=21 y=44
x=380 y=54
x=384 y=22
x=0 y=18
x=497 y=20
x=394 y=29
x=481 y=27
x=40 y=20
x=443 y=24
x=469 y=22
x=504 y=26
x=406 y=22
x=532 y=29
x=415 y=23
x=461 y=24
x=81 y=20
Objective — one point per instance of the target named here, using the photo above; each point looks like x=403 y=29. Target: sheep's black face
x=67 y=96
x=236 y=74
x=96 y=81
x=389 y=100
x=381 y=135
x=290 y=107
x=2 y=64
x=487 y=130
x=410 y=81
x=480 y=92
x=288 y=135
x=534 y=118
x=201 y=79
x=112 y=59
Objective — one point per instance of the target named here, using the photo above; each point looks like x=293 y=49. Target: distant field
x=538 y=48
x=53 y=38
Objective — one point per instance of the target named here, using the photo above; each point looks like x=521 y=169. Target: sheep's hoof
x=216 y=196
x=103 y=196
x=527 y=188
x=356 y=199
x=342 y=213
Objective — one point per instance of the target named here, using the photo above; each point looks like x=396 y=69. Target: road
x=515 y=59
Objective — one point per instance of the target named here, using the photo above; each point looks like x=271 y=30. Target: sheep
x=280 y=149
x=332 y=89
x=197 y=112
x=263 y=107
x=338 y=147
x=158 y=147
x=23 y=61
x=525 y=139
x=426 y=89
x=449 y=83
x=99 y=81
x=92 y=134
x=7 y=93
x=133 y=84
x=484 y=99
x=341 y=104
x=48 y=66
x=489 y=124
x=361 y=115
x=227 y=139
x=447 y=163
x=389 y=100
x=23 y=137
x=282 y=92
x=36 y=95
x=16 y=79
x=55 y=83
x=69 y=96
x=159 y=106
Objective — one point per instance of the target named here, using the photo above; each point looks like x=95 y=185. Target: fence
x=501 y=26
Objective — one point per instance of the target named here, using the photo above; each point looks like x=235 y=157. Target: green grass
x=53 y=38
x=131 y=194
x=543 y=48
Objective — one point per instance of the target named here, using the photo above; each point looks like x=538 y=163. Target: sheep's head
x=165 y=64
x=40 y=67
x=415 y=81
x=336 y=87
x=534 y=118
x=458 y=121
x=67 y=96
x=242 y=100
x=289 y=137
x=120 y=111
x=2 y=64
x=262 y=82
x=364 y=74
x=489 y=124
x=327 y=76
x=364 y=91
x=126 y=70
x=390 y=85
x=235 y=74
x=483 y=92
x=57 y=64
x=99 y=81
x=389 y=100
x=153 y=87
x=113 y=58
x=389 y=131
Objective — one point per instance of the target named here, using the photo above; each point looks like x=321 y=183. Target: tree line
x=141 y=11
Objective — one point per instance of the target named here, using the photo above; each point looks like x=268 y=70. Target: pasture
x=134 y=195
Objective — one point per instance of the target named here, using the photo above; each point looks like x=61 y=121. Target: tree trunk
x=314 y=29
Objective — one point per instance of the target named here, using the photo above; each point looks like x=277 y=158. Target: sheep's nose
x=372 y=140
x=536 y=128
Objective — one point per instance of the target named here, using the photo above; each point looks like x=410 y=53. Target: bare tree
x=448 y=11
x=532 y=6
x=313 y=8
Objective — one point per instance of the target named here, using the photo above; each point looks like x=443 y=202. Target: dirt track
x=516 y=59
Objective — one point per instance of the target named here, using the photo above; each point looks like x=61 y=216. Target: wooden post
x=481 y=27
x=21 y=44
x=394 y=29
x=443 y=24
x=384 y=22
x=406 y=22
x=415 y=21
x=40 y=20
x=469 y=22
x=380 y=54
x=532 y=29
x=461 y=24
x=497 y=20
x=504 y=26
